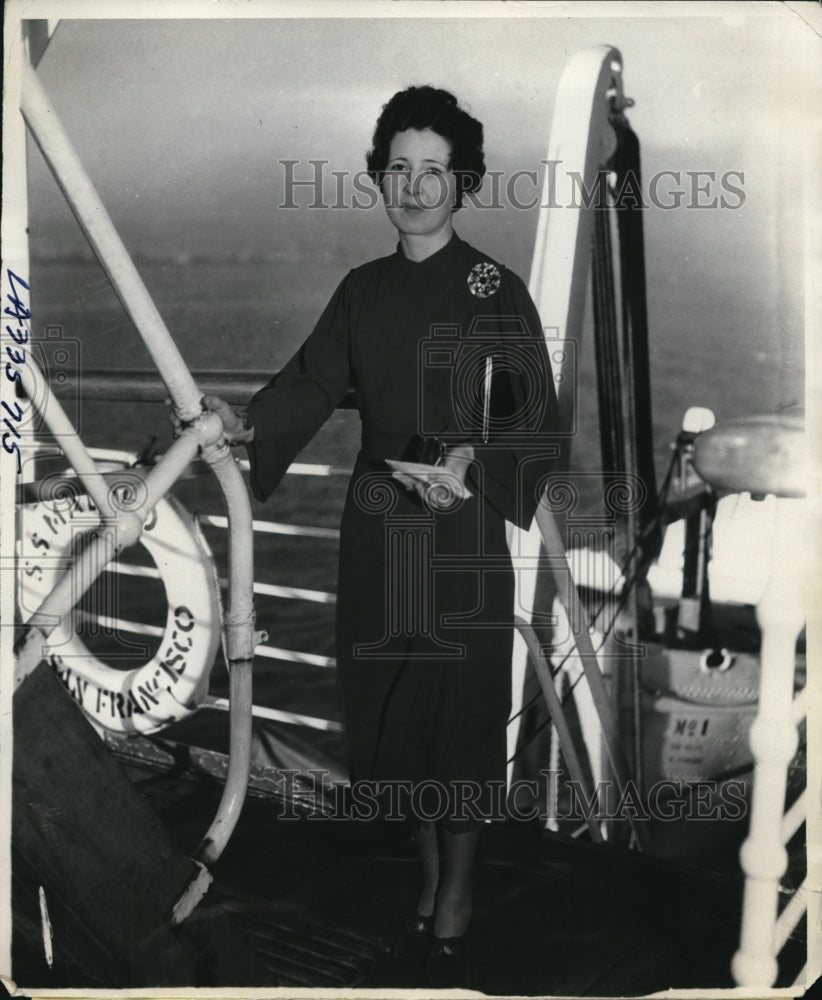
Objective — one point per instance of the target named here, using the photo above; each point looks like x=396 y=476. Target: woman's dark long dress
x=425 y=599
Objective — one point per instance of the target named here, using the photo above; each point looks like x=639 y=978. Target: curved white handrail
x=202 y=433
x=581 y=140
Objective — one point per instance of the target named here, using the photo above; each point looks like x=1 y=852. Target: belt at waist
x=384 y=444
x=380 y=444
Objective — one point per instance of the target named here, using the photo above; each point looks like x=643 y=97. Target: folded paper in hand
x=431 y=474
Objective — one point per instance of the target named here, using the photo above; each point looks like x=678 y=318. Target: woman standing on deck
x=444 y=350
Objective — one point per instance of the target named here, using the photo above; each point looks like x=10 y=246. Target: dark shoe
x=446 y=962
x=414 y=937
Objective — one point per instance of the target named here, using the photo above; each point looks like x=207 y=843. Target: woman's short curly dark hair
x=427 y=107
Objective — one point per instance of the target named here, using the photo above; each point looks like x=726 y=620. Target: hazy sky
x=183 y=125
x=182 y=122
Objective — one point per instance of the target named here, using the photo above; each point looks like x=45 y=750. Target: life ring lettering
x=174 y=681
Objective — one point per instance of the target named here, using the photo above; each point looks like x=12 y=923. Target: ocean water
x=716 y=349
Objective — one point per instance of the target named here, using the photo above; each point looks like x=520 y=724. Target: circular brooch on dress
x=484 y=280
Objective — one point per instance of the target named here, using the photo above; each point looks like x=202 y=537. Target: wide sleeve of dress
x=298 y=400
x=512 y=476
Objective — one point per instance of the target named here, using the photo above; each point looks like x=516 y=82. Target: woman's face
x=418 y=186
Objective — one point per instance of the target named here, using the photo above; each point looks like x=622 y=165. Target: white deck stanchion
x=765 y=455
x=774 y=741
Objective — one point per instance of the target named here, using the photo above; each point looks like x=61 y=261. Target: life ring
x=172 y=684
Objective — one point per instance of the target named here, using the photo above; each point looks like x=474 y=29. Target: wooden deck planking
x=317 y=903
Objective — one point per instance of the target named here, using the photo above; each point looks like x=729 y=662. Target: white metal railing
x=202 y=432
x=123 y=459
x=277 y=715
x=276 y=528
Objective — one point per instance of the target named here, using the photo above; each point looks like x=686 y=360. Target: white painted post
x=767 y=455
x=773 y=741
x=581 y=140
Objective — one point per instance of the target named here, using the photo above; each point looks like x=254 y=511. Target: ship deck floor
x=317 y=903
